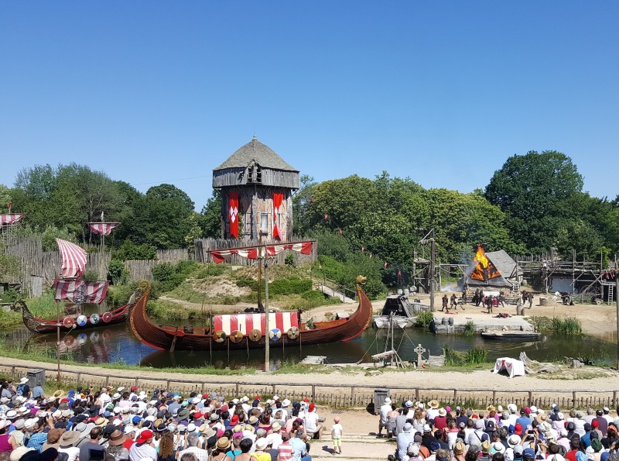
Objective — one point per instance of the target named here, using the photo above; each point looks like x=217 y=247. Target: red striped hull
x=176 y=338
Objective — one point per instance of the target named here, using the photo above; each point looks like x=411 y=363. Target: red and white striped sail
x=73 y=259
x=10 y=218
x=256 y=252
x=103 y=228
x=245 y=323
x=92 y=292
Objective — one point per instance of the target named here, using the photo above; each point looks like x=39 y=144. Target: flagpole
x=267 y=341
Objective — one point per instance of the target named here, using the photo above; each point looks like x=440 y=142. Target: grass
x=569 y=326
x=472 y=357
x=469 y=328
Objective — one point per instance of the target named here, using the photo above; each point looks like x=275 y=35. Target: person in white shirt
x=192 y=441
x=313 y=422
x=384 y=414
x=336 y=433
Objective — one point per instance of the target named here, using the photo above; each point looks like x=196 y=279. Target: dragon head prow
x=360 y=280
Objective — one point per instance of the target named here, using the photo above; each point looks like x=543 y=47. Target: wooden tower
x=256 y=188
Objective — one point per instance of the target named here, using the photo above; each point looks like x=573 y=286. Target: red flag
x=326 y=217
x=233 y=214
x=385 y=264
x=362 y=249
x=399 y=274
x=340 y=231
x=278 y=198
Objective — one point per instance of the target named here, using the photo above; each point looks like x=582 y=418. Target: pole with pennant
x=267 y=338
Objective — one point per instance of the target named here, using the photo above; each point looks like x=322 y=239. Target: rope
x=366 y=351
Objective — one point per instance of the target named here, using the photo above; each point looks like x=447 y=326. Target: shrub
x=469 y=328
x=130 y=251
x=289 y=286
x=424 y=318
x=117 y=273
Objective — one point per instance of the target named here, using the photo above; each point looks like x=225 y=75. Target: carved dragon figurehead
x=360 y=281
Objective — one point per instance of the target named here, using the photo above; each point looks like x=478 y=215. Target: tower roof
x=256 y=152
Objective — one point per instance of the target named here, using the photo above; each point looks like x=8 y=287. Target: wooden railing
x=332 y=395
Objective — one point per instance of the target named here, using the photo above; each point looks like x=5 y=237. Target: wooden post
x=530 y=399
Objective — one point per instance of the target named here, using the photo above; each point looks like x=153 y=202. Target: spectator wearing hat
x=38 y=436
x=601 y=420
x=404 y=438
x=143 y=447
x=440 y=420
x=91 y=449
x=275 y=437
x=260 y=454
x=313 y=423
x=524 y=419
x=67 y=443
x=16 y=436
x=5 y=444
x=383 y=413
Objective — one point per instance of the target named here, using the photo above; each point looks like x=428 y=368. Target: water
x=116 y=343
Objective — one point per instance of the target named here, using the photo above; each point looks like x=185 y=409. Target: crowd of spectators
x=110 y=424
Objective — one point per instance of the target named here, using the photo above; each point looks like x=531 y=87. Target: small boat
x=76 y=322
x=398 y=310
x=511 y=335
x=248 y=331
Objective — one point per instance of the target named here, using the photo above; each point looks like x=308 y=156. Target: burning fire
x=484 y=269
x=480 y=256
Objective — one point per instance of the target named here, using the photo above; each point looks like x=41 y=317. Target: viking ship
x=78 y=322
x=248 y=331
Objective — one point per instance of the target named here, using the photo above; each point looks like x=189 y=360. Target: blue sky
x=153 y=92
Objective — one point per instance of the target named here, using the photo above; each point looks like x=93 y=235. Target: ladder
x=611 y=293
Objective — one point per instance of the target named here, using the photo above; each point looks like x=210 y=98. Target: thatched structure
x=256 y=188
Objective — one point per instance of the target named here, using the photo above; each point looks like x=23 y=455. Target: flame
x=480 y=256
x=484 y=269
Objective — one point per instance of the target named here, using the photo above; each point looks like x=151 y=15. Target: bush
x=474 y=356
x=130 y=251
x=424 y=318
x=289 y=286
x=117 y=273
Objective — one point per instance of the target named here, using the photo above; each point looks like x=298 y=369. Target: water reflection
x=116 y=343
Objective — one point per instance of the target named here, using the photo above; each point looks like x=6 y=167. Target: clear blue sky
x=153 y=92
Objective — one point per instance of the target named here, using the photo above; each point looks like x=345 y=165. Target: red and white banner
x=245 y=323
x=73 y=259
x=255 y=252
x=103 y=228
x=278 y=198
x=233 y=213
x=10 y=218
x=91 y=292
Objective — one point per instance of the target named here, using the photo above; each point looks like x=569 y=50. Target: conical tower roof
x=258 y=153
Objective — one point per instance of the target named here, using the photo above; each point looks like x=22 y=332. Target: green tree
x=163 y=217
x=534 y=190
x=301 y=203
x=211 y=212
